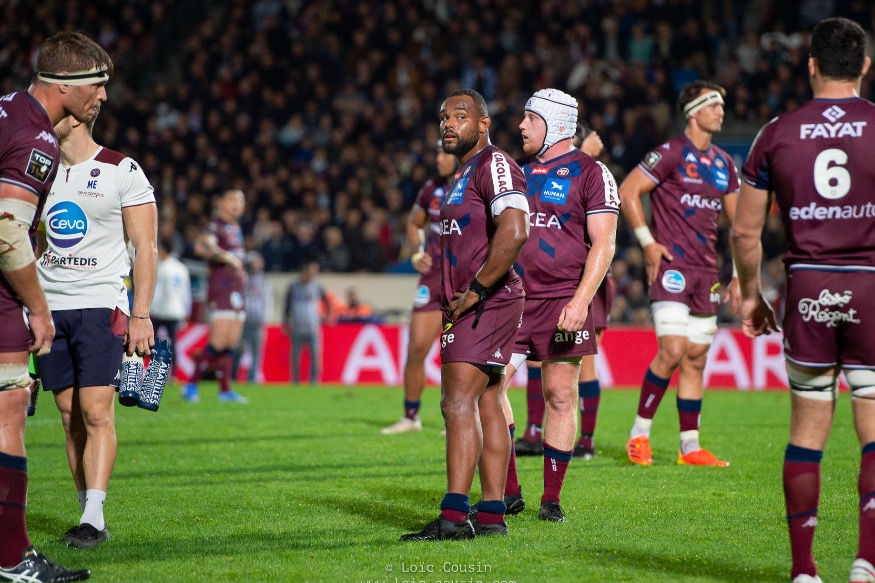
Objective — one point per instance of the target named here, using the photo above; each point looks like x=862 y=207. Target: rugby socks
x=801 y=494
x=455 y=507
x=590 y=393
x=512 y=485
x=534 y=405
x=491 y=511
x=204 y=361
x=411 y=409
x=13 y=499
x=224 y=363
x=652 y=391
x=93 y=513
x=689 y=411
x=555 y=466
x=866 y=486
x=81 y=495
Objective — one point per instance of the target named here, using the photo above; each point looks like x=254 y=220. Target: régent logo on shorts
x=818 y=309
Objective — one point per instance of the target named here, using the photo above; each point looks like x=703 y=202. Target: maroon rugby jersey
x=467 y=224
x=688 y=198
x=429 y=201
x=29 y=154
x=817 y=160
x=562 y=192
x=229 y=238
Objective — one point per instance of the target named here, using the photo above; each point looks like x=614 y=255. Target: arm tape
x=15 y=248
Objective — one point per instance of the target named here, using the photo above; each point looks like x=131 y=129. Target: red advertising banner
x=374 y=354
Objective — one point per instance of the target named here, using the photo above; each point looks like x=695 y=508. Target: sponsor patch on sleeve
x=39 y=166
x=652 y=159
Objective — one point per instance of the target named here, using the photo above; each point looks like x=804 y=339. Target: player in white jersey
x=100 y=202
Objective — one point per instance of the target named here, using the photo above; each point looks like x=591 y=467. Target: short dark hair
x=694 y=89
x=839 y=47
x=72 y=51
x=583 y=130
x=478 y=99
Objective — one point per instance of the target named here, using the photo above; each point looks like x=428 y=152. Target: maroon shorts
x=600 y=308
x=697 y=287
x=540 y=337
x=16 y=333
x=491 y=341
x=428 y=297
x=830 y=318
x=226 y=293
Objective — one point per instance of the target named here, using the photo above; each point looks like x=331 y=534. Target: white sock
x=93 y=513
x=81 y=494
x=641 y=427
x=690 y=441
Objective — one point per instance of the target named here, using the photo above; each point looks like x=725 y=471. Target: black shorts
x=87 y=350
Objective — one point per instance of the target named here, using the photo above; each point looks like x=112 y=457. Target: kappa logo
x=810 y=523
x=833 y=113
x=497 y=354
x=690 y=157
x=44 y=135
x=870 y=505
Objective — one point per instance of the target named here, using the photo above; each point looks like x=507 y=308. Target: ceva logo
x=67 y=224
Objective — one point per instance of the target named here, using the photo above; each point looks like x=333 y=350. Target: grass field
x=299 y=485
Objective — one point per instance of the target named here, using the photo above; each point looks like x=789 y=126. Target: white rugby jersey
x=87 y=257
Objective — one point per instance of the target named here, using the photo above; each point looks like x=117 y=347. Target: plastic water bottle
x=35 y=387
x=156 y=377
x=131 y=380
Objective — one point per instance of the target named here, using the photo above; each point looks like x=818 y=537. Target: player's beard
x=462 y=145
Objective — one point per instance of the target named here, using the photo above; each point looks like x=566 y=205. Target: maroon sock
x=512 y=486
x=13 y=498
x=555 y=466
x=652 y=390
x=590 y=394
x=203 y=363
x=689 y=412
x=534 y=398
x=801 y=494
x=223 y=365
x=454 y=515
x=866 y=486
x=490 y=511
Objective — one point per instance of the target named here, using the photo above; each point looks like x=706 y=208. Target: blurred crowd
x=325 y=112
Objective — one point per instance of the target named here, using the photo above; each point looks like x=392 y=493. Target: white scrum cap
x=559 y=112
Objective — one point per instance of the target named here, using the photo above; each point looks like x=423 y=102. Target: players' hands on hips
x=758 y=317
x=732 y=296
x=653 y=255
x=423 y=263
x=139 y=336
x=462 y=302
x=573 y=316
x=43 y=329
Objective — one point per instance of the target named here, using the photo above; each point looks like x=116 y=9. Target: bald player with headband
x=72 y=71
x=690 y=182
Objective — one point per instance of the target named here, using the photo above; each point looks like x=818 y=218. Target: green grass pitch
x=299 y=485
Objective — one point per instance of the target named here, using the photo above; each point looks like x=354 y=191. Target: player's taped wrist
x=16 y=217
x=734 y=269
x=644 y=236
x=416 y=257
x=482 y=291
